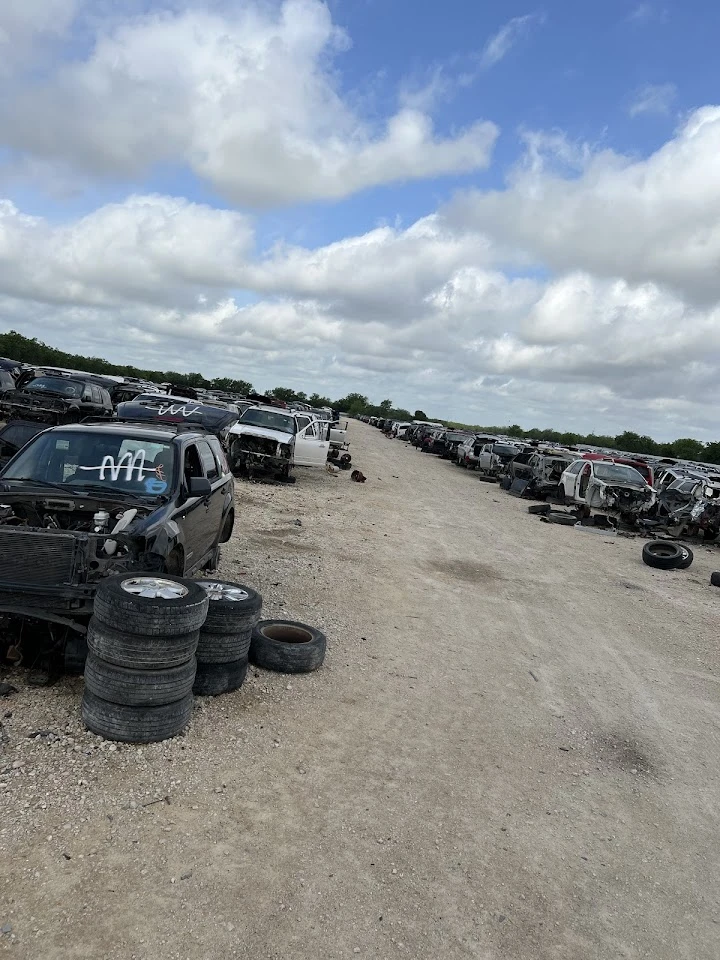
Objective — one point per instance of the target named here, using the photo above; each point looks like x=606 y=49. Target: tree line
x=33 y=351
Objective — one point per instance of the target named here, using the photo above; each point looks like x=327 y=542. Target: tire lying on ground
x=715 y=579
x=663 y=554
x=564 y=519
x=135 y=724
x=150 y=605
x=138 y=688
x=233 y=607
x=213 y=679
x=223 y=647
x=287 y=646
x=537 y=508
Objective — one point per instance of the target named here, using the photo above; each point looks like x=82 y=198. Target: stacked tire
x=222 y=652
x=140 y=668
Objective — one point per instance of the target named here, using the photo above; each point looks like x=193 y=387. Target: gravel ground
x=512 y=751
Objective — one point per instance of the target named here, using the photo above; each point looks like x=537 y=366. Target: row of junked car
x=145 y=486
x=681 y=498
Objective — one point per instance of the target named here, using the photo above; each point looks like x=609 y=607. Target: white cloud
x=651 y=220
x=653 y=99
x=500 y=44
x=247 y=100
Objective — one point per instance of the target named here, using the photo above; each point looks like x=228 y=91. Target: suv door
x=311 y=446
x=192 y=514
x=216 y=501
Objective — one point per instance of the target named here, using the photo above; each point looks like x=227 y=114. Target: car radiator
x=29 y=557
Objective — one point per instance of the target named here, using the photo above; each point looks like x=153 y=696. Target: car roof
x=149 y=431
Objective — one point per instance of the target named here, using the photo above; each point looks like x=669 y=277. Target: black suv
x=82 y=501
x=54 y=398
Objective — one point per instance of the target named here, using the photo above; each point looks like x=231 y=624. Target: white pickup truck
x=267 y=439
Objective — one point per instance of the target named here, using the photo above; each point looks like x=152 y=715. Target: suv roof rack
x=158 y=424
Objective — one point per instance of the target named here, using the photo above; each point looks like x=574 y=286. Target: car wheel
x=115 y=721
x=150 y=605
x=287 y=646
x=228 y=527
x=539 y=508
x=663 y=554
x=233 y=607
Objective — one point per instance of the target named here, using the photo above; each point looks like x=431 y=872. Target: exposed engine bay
x=250 y=452
x=79 y=514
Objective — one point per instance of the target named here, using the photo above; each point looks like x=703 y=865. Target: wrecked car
x=614 y=488
x=690 y=506
x=163 y=408
x=270 y=440
x=56 y=399
x=538 y=474
x=15 y=435
x=81 y=502
x=494 y=458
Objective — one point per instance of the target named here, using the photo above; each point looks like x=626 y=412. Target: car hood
x=250 y=430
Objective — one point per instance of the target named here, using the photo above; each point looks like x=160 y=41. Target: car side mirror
x=200 y=487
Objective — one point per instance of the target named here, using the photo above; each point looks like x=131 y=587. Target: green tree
x=711 y=453
x=688 y=449
x=420 y=415
x=283 y=393
x=385 y=407
x=317 y=401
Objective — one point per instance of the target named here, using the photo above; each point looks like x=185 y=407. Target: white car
x=271 y=439
x=614 y=488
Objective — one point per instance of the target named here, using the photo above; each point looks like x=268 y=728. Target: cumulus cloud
x=650 y=220
x=500 y=44
x=246 y=98
x=653 y=99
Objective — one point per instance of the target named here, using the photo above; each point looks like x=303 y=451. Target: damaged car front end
x=619 y=491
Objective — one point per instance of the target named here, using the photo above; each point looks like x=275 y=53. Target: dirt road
x=512 y=752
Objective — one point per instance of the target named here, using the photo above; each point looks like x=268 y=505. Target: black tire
x=138 y=688
x=662 y=554
x=287 y=646
x=715 y=579
x=223 y=647
x=228 y=527
x=563 y=519
x=150 y=616
x=140 y=653
x=228 y=615
x=687 y=559
x=115 y=721
x=212 y=679
x=539 y=508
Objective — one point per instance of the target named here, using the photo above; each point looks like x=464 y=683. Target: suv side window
x=207 y=458
x=220 y=457
x=302 y=422
x=97 y=395
x=191 y=464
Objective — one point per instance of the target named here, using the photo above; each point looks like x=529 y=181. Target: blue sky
x=499 y=208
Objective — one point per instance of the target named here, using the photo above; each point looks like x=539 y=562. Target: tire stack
x=222 y=651
x=140 y=667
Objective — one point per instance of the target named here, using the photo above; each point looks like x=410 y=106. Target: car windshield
x=58 y=385
x=505 y=450
x=269 y=419
x=122 y=463
x=618 y=473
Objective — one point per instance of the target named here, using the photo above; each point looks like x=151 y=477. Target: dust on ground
x=511 y=752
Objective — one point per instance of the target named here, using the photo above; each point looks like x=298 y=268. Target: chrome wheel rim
x=223 y=591
x=154 y=588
